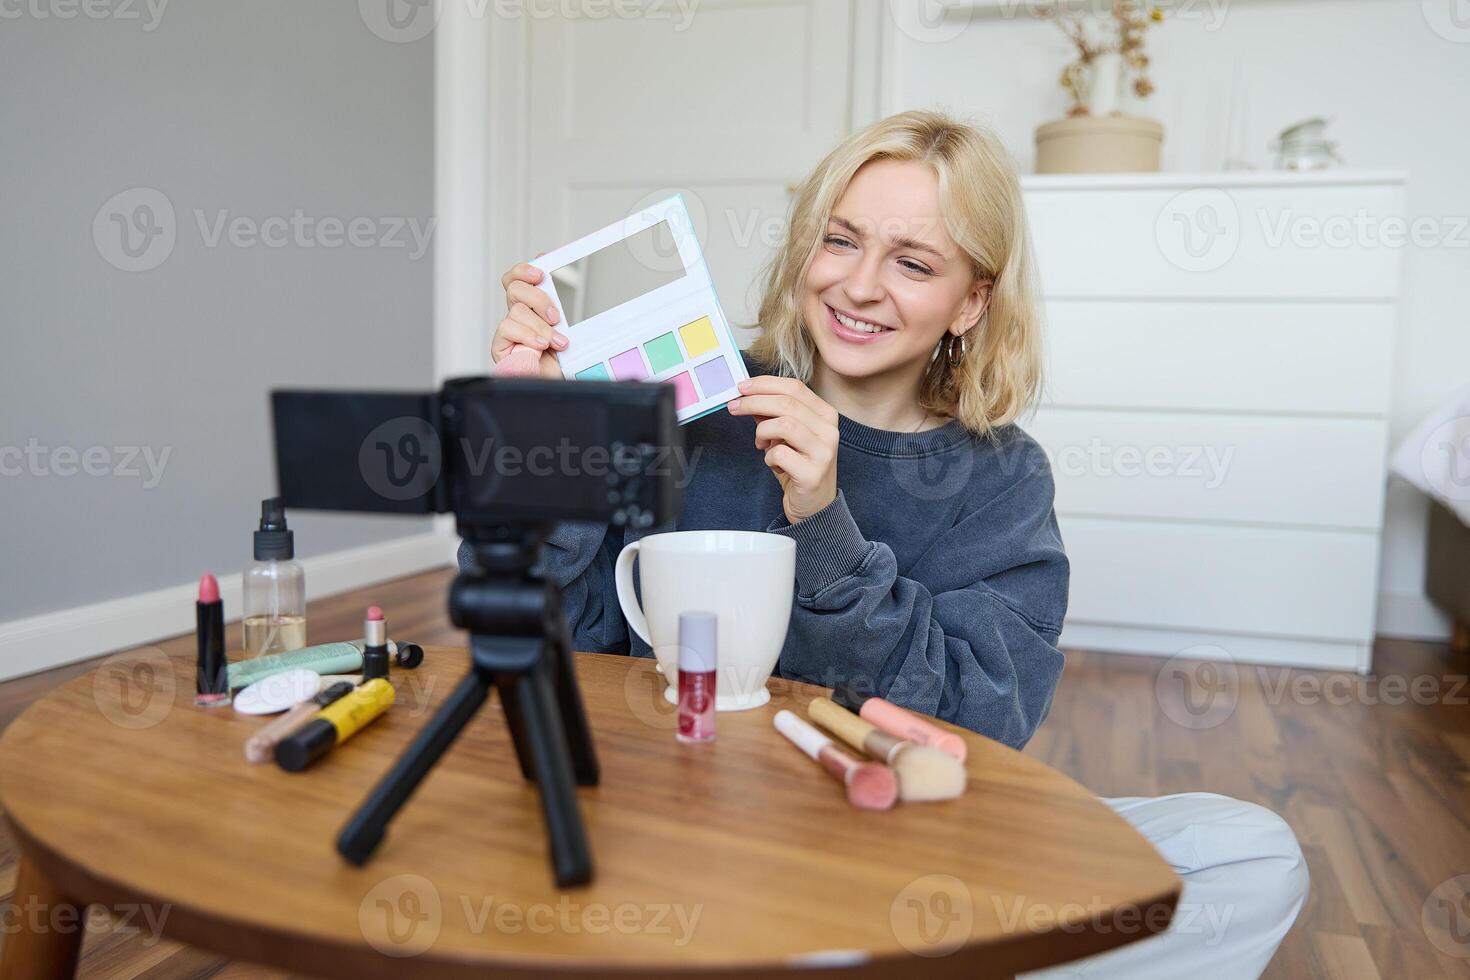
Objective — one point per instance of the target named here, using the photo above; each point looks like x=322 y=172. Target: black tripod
x=520 y=643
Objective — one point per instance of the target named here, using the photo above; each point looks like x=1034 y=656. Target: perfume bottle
x=275 y=587
x=697 y=662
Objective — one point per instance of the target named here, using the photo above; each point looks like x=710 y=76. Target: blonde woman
x=900 y=342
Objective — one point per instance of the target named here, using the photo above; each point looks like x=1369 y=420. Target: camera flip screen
x=490 y=450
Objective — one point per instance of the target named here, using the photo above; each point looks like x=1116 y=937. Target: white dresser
x=1220 y=349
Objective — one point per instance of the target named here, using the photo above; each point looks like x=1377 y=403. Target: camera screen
x=491 y=450
x=617 y=273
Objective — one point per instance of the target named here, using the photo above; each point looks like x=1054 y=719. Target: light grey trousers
x=1244 y=882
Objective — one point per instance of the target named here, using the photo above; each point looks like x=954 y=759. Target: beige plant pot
x=1098 y=145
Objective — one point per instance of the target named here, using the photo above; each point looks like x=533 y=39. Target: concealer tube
x=260 y=746
x=333 y=725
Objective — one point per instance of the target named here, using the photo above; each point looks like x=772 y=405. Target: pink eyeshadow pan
x=628 y=366
x=684 y=395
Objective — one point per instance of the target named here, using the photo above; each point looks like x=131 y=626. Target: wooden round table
x=741 y=856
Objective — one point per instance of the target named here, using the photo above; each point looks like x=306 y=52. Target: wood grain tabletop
x=740 y=856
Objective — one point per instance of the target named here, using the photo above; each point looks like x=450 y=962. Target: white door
x=729 y=104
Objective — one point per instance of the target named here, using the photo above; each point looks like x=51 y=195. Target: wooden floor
x=1374 y=778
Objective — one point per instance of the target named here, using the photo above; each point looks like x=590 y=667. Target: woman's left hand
x=798 y=432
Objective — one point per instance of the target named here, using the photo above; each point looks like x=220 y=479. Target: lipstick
x=375 y=645
x=212 y=678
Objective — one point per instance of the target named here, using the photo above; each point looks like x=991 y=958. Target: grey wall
x=255 y=109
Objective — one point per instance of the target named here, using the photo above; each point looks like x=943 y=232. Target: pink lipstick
x=212 y=678
x=375 y=645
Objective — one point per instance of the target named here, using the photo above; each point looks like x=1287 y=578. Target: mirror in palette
x=617 y=273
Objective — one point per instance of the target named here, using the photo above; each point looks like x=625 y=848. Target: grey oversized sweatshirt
x=936 y=578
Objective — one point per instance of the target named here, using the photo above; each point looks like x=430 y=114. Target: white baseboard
x=1411 y=616
x=1237 y=648
x=1400 y=614
x=68 y=635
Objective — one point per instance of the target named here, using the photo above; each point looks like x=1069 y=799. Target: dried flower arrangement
x=1123 y=32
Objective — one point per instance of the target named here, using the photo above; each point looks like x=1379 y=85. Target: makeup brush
x=870 y=785
x=896 y=721
x=923 y=773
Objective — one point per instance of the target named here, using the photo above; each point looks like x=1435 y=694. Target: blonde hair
x=998 y=371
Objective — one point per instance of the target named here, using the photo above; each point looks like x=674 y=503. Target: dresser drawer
x=1255 y=357
x=1316 y=472
x=1257 y=581
x=1220 y=239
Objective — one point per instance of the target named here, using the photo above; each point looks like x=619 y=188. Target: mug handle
x=627 y=595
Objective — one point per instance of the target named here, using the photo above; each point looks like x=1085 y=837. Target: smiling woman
x=912 y=242
x=900 y=342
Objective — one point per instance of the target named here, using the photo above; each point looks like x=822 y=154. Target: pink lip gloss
x=697 y=632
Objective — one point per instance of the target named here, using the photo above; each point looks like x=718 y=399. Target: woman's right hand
x=530 y=319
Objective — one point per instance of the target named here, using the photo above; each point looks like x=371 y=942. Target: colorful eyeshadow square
x=714 y=377
x=663 y=353
x=684 y=395
x=597 y=372
x=628 y=366
x=699 y=337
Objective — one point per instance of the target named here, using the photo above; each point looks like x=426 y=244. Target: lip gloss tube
x=697 y=663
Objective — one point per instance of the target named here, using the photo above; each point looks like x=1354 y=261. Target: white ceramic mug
x=746 y=578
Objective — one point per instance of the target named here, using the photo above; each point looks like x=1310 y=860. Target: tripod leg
x=510 y=700
x=363 y=832
x=569 y=700
x=571 y=856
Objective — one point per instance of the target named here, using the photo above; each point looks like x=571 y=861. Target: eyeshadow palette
x=637 y=304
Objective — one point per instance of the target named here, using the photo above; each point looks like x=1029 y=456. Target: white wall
x=1390 y=75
